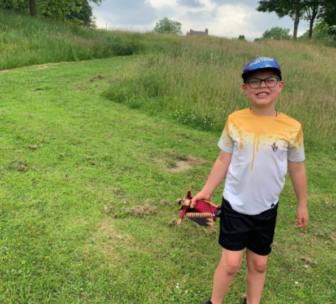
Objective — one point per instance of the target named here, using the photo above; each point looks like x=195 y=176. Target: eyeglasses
x=270 y=82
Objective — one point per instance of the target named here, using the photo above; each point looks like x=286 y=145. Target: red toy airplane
x=203 y=213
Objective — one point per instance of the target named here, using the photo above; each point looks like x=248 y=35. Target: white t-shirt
x=261 y=147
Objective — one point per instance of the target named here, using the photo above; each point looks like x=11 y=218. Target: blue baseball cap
x=261 y=63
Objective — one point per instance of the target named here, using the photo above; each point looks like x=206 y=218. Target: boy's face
x=263 y=96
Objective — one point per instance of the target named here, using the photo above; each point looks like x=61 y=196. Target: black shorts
x=239 y=231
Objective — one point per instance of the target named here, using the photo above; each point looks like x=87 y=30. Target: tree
x=17 y=5
x=314 y=9
x=84 y=16
x=321 y=30
x=76 y=11
x=61 y=9
x=241 y=37
x=328 y=14
x=324 y=30
x=292 y=8
x=33 y=8
x=277 y=33
x=296 y=9
x=168 y=26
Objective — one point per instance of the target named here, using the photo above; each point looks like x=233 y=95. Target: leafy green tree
x=168 y=26
x=292 y=8
x=62 y=9
x=277 y=33
x=313 y=10
x=84 y=16
x=310 y=10
x=321 y=30
x=324 y=30
x=16 y=5
x=329 y=12
x=241 y=37
x=76 y=11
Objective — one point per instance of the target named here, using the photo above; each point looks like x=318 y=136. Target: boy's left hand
x=302 y=217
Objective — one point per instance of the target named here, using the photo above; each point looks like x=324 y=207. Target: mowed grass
x=67 y=233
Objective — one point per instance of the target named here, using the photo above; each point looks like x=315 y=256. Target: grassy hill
x=88 y=183
x=197 y=83
x=27 y=41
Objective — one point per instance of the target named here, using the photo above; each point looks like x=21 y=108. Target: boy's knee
x=258 y=266
x=231 y=267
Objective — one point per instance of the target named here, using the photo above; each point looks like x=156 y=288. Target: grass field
x=198 y=83
x=86 y=211
x=26 y=41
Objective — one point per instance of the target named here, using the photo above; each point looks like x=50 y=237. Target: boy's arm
x=297 y=173
x=217 y=174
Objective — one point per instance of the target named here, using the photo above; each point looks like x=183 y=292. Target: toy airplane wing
x=202 y=219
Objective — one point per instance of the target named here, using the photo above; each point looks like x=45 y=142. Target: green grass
x=27 y=41
x=199 y=84
x=57 y=244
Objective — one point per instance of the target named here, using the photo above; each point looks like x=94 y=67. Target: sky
x=224 y=18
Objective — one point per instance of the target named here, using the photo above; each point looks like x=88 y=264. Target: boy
x=258 y=145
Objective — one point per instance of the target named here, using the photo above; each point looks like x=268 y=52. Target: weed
x=171 y=164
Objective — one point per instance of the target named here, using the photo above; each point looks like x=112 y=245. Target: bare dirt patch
x=33 y=147
x=189 y=162
x=80 y=87
x=165 y=203
x=142 y=210
x=116 y=190
x=308 y=261
x=98 y=77
x=22 y=168
x=44 y=66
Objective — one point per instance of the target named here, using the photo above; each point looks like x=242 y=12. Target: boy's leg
x=255 y=276
x=225 y=273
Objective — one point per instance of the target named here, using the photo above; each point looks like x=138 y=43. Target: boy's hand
x=179 y=222
x=302 y=217
x=200 y=196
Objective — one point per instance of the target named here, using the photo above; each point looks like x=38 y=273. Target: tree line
x=311 y=10
x=76 y=11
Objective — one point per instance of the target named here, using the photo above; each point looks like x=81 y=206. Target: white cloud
x=161 y=3
x=223 y=18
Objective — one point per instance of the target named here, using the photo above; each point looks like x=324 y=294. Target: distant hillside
x=199 y=83
x=26 y=41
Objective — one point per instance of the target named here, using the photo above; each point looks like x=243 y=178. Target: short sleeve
x=225 y=142
x=296 y=148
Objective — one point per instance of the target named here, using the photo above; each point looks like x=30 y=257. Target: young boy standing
x=258 y=146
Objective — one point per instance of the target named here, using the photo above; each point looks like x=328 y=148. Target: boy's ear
x=281 y=85
x=244 y=87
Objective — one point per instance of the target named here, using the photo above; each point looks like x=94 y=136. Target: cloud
x=252 y=3
x=225 y=18
x=190 y=3
x=126 y=12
